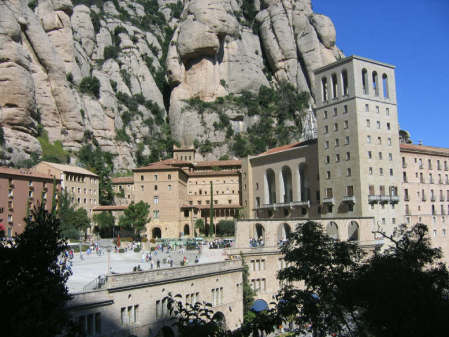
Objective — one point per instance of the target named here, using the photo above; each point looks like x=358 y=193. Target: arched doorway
x=332 y=230
x=220 y=319
x=270 y=187
x=287 y=189
x=186 y=230
x=353 y=231
x=156 y=233
x=259 y=236
x=284 y=231
x=303 y=184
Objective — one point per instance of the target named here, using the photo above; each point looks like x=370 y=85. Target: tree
x=33 y=283
x=199 y=224
x=225 y=227
x=412 y=298
x=401 y=291
x=105 y=223
x=73 y=220
x=99 y=162
x=136 y=216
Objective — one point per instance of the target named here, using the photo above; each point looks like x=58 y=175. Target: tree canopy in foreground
x=33 y=290
x=402 y=290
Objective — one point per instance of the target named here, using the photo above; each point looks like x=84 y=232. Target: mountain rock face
x=119 y=73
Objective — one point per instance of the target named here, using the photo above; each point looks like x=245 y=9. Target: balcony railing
x=373 y=199
x=291 y=204
x=384 y=199
x=329 y=201
x=394 y=199
x=349 y=199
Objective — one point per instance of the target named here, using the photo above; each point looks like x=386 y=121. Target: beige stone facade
x=358 y=142
x=123 y=188
x=179 y=193
x=20 y=191
x=133 y=304
x=81 y=184
x=425 y=190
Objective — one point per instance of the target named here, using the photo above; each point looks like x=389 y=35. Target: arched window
x=156 y=233
x=324 y=89
x=186 y=230
x=353 y=231
x=220 y=319
x=334 y=85
x=344 y=80
x=258 y=239
x=332 y=230
x=375 y=84
x=284 y=231
x=303 y=184
x=385 y=86
x=365 y=81
x=270 y=187
x=287 y=189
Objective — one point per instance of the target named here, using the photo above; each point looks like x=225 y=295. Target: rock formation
x=149 y=57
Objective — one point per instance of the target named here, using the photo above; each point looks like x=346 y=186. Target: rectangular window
x=156 y=214
x=348 y=172
x=370 y=155
x=348 y=156
x=326 y=144
x=387 y=111
x=169 y=187
x=156 y=200
x=367 y=107
x=123 y=316
x=378 y=124
x=345 y=109
x=337 y=158
x=368 y=139
x=155 y=177
x=337 y=142
x=325 y=114
x=336 y=127
x=346 y=124
x=368 y=123
x=347 y=140
x=326 y=129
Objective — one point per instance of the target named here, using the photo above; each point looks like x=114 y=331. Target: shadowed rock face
x=46 y=51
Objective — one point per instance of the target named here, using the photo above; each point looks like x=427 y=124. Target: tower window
x=385 y=85
x=375 y=84
x=344 y=80
x=324 y=89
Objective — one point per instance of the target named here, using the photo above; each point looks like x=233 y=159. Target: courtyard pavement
x=91 y=266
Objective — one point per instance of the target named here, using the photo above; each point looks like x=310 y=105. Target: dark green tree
x=401 y=291
x=33 y=283
x=135 y=217
x=73 y=220
x=199 y=224
x=105 y=223
x=99 y=162
x=225 y=228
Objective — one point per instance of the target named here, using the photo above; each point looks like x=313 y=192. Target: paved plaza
x=87 y=269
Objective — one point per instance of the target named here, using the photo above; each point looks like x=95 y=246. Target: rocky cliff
x=120 y=74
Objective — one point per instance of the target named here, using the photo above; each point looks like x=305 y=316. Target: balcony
x=373 y=199
x=349 y=199
x=394 y=199
x=285 y=204
x=329 y=200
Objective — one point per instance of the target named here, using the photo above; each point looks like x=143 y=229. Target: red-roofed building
x=21 y=190
x=178 y=191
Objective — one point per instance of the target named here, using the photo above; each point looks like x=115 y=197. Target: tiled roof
x=425 y=149
x=123 y=180
x=110 y=208
x=164 y=165
x=280 y=148
x=219 y=163
x=70 y=168
x=25 y=173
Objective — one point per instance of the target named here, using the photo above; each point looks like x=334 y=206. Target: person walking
x=158 y=264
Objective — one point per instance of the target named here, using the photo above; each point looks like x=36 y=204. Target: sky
x=413 y=35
